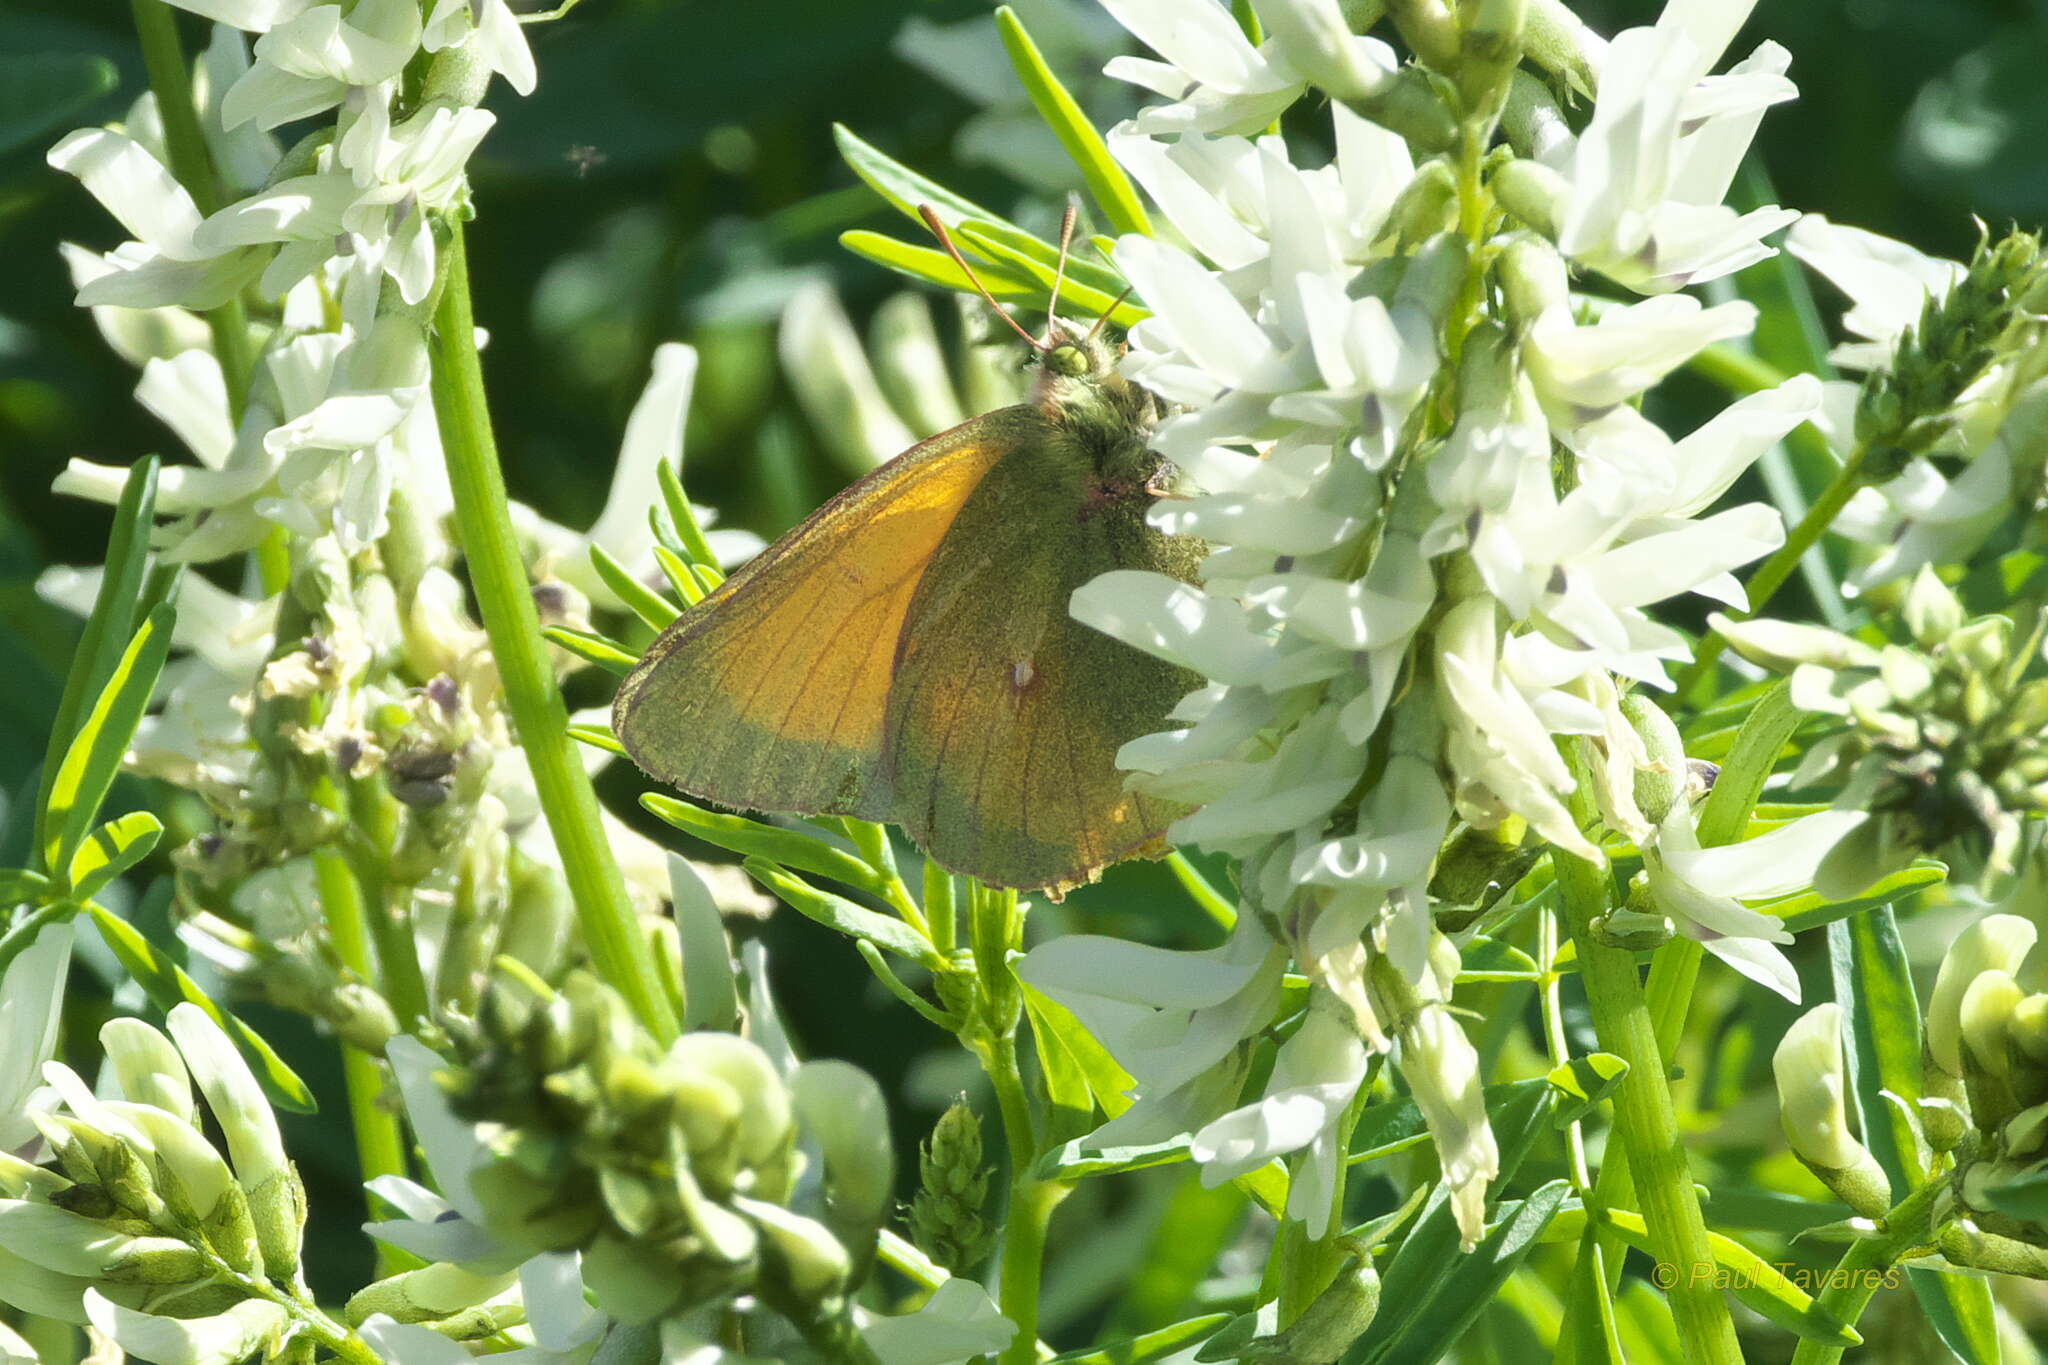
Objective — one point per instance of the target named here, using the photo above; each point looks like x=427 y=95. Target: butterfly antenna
x=1059 y=274
x=1114 y=304
x=931 y=220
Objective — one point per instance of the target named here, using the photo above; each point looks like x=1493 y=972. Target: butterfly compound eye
x=1069 y=360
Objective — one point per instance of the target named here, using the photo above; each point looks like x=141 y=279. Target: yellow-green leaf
x=1108 y=186
x=94 y=757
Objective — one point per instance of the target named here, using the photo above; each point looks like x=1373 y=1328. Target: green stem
x=1771 y=576
x=483 y=521
x=1861 y=1271
x=398 y=974
x=170 y=78
x=380 y=1142
x=1031 y=1202
x=1645 y=1119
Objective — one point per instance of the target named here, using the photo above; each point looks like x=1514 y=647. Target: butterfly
x=906 y=653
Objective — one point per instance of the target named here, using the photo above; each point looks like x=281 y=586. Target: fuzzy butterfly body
x=906 y=654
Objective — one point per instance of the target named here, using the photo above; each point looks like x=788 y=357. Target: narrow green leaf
x=1038 y=256
x=1585 y=1081
x=676 y=569
x=1489 y=959
x=1213 y=903
x=1087 y=299
x=1079 y=1072
x=1108 y=186
x=1881 y=1020
x=1149 y=1347
x=1810 y=909
x=94 y=757
x=598 y=737
x=842 y=915
x=933 y=266
x=166 y=984
x=650 y=606
x=1725 y=813
x=683 y=516
x=113 y=848
x=108 y=628
x=1415 y=1331
x=800 y=849
x=19 y=886
x=1755 y=1282
x=43 y=92
x=904 y=188
x=1397 y=1125
x=592 y=648
x=1073 y=1161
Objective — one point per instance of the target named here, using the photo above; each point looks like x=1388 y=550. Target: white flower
x=1219 y=82
x=307 y=64
x=31 y=1009
x=1703 y=889
x=1648 y=174
x=165 y=264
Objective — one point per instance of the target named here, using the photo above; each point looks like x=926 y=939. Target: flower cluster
x=144 y=1230
x=597 y=1189
x=1982 y=1125
x=1439 y=524
x=1940 y=745
x=1950 y=424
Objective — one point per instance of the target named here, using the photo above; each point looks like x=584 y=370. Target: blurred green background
x=674 y=178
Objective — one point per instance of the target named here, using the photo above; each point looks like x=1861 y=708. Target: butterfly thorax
x=1079 y=390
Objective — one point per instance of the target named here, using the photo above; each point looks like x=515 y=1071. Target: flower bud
x=1534 y=193
x=1994 y=943
x=1329 y=1325
x=1426 y=205
x=843 y=1109
x=1313 y=38
x=946 y=1215
x=808 y=1259
x=1931 y=612
x=1534 y=278
x=424 y=1295
x=147 y=1067
x=1811 y=1084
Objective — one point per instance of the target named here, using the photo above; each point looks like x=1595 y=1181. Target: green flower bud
x=1994 y=943
x=1328 y=1326
x=1534 y=278
x=1931 y=612
x=277 y=1201
x=946 y=1214
x=1665 y=779
x=424 y=1295
x=1811 y=1084
x=1426 y=205
x=806 y=1258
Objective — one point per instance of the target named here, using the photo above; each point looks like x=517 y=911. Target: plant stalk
x=1862 y=1271
x=1645 y=1119
x=611 y=930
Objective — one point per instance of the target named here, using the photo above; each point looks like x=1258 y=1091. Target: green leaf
x=1089 y=299
x=108 y=627
x=1213 y=903
x=166 y=984
x=1422 y=1322
x=1724 y=815
x=676 y=569
x=683 y=516
x=598 y=737
x=796 y=848
x=1586 y=1081
x=19 y=886
x=94 y=757
x=1074 y=1161
x=113 y=848
x=933 y=266
x=1108 y=186
x=650 y=606
x=1489 y=959
x=1079 y=1072
x=842 y=915
x=593 y=648
x=1810 y=909
x=1756 y=1283
x=1881 y=1025
x=47 y=91
x=904 y=188
x=1397 y=1125
x=1149 y=1347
